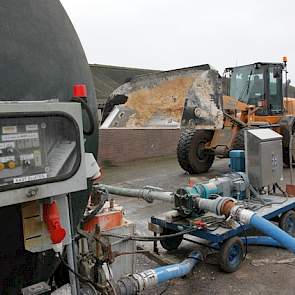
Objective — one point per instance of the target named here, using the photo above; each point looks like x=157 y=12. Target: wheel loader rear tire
x=286 y=155
x=190 y=151
x=239 y=141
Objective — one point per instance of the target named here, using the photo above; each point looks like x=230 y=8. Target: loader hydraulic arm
x=235 y=120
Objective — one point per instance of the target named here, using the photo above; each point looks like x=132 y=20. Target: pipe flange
x=145 y=279
x=221 y=202
x=146 y=195
x=241 y=214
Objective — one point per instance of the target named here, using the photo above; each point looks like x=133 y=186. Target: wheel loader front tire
x=191 y=153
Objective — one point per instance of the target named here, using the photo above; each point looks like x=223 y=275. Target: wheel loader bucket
x=188 y=97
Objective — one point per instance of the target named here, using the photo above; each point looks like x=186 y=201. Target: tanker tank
x=41 y=58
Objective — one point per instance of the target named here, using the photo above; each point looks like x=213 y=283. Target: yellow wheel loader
x=212 y=123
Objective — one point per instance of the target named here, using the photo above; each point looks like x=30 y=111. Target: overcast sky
x=168 y=34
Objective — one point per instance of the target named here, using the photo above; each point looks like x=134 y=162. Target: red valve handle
x=200 y=224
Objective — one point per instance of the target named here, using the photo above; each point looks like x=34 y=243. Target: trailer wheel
x=191 y=153
x=170 y=244
x=287 y=222
x=231 y=254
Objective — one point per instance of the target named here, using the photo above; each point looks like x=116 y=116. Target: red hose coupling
x=52 y=219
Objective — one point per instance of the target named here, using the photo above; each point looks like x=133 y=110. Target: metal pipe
x=71 y=262
x=72 y=254
x=136 y=283
x=213 y=206
x=148 y=194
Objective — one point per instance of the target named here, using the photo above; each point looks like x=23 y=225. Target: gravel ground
x=264 y=271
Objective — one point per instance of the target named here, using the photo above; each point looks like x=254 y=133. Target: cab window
x=275 y=101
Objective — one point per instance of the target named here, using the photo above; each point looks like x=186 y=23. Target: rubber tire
x=225 y=255
x=286 y=158
x=284 y=222
x=187 y=146
x=239 y=141
x=172 y=243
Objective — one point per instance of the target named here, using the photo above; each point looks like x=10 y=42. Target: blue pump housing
x=237 y=160
x=205 y=190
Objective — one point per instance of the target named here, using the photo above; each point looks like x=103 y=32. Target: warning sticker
x=20 y=136
x=30 y=178
x=9 y=129
x=4 y=145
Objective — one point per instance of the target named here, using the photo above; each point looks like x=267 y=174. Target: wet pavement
x=264 y=271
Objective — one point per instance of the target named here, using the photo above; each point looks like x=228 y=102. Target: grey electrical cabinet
x=264 y=157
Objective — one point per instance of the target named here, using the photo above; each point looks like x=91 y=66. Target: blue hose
x=136 y=283
x=273 y=231
x=173 y=271
x=261 y=241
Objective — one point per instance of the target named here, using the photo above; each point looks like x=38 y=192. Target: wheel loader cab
x=258 y=84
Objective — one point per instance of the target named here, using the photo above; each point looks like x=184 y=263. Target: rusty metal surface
x=222 y=137
x=188 y=97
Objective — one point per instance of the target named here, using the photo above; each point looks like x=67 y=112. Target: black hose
x=89 y=114
x=103 y=199
x=150 y=238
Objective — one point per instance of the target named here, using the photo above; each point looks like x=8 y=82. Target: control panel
x=41 y=148
x=22 y=150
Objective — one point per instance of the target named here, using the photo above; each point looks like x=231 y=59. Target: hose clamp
x=221 y=202
x=146 y=279
x=245 y=216
x=241 y=214
x=234 y=212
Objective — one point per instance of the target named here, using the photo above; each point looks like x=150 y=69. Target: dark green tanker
x=41 y=58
